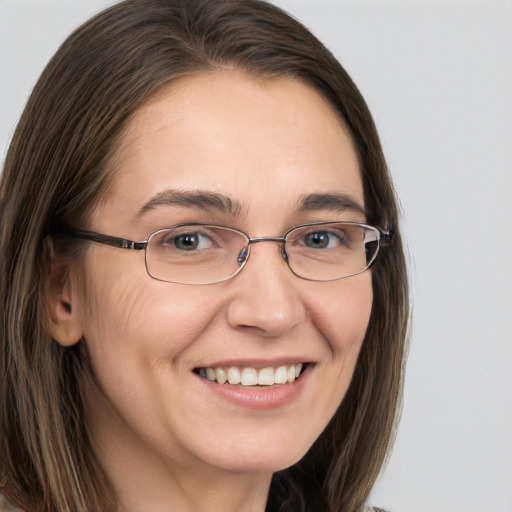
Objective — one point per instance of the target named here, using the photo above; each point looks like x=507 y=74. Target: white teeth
x=281 y=375
x=266 y=377
x=221 y=375
x=234 y=375
x=249 y=376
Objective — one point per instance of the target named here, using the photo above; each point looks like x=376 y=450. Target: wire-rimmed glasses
x=202 y=254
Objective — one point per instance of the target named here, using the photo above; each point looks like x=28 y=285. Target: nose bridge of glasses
x=277 y=239
x=258 y=239
x=244 y=253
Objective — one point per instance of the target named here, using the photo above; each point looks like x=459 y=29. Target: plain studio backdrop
x=437 y=76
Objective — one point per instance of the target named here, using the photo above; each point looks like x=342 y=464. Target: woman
x=159 y=353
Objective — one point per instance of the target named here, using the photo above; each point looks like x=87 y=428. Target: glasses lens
x=325 y=252
x=195 y=254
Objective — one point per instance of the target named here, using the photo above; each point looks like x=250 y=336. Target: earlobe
x=62 y=301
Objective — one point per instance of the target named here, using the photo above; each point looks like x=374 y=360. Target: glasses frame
x=383 y=238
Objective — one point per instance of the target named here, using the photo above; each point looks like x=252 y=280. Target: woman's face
x=264 y=152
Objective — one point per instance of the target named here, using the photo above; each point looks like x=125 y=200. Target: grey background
x=438 y=78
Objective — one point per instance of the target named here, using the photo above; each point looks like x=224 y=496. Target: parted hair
x=59 y=165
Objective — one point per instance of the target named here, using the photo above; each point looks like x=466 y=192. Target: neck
x=189 y=490
x=197 y=493
x=144 y=479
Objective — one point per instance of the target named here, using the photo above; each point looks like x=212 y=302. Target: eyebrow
x=339 y=203
x=213 y=201
x=201 y=199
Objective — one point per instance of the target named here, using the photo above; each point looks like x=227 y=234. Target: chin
x=268 y=457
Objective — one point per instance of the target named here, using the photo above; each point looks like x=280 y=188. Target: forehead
x=256 y=140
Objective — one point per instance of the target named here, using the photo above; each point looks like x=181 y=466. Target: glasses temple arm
x=386 y=237
x=81 y=234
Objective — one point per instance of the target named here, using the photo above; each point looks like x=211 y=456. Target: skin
x=165 y=440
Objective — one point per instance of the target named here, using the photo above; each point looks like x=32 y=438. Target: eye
x=322 y=240
x=190 y=241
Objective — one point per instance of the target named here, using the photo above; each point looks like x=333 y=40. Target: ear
x=62 y=299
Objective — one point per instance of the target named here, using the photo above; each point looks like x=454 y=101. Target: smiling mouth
x=248 y=376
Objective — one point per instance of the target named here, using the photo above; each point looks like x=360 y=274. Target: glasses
x=202 y=254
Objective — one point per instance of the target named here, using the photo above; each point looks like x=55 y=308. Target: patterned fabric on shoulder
x=7 y=506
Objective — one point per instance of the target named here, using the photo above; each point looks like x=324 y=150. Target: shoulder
x=10 y=499
x=374 y=509
x=7 y=506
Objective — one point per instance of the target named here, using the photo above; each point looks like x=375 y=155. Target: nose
x=266 y=298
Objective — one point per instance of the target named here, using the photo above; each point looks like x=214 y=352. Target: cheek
x=342 y=312
x=128 y=316
x=342 y=315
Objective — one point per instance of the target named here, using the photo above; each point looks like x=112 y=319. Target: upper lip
x=256 y=363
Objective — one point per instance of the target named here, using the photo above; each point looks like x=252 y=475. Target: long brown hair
x=57 y=168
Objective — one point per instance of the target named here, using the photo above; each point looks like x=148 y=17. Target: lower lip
x=270 y=397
